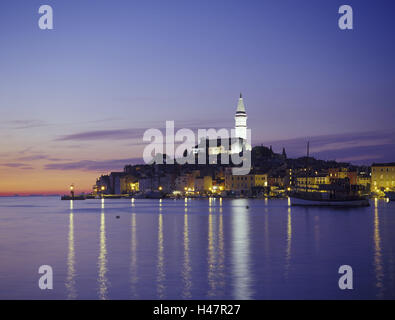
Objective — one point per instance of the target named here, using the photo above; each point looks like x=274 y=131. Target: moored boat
x=65 y=197
x=154 y=195
x=338 y=193
x=325 y=200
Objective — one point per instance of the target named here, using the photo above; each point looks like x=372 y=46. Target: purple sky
x=85 y=92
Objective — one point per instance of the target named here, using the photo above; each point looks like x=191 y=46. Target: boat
x=332 y=195
x=323 y=199
x=154 y=195
x=65 y=197
x=390 y=195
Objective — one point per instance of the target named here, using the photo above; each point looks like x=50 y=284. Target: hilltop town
x=271 y=175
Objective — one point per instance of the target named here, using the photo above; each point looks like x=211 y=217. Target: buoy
x=247 y=207
x=117 y=217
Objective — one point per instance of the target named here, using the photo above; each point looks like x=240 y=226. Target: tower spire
x=240 y=105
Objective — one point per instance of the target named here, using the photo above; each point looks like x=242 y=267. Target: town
x=271 y=174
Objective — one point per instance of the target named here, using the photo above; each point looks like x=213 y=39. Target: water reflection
x=317 y=233
x=133 y=261
x=102 y=279
x=211 y=256
x=215 y=253
x=378 y=264
x=70 y=280
x=187 y=269
x=266 y=234
x=221 y=253
x=160 y=263
x=241 y=250
x=289 y=243
x=248 y=248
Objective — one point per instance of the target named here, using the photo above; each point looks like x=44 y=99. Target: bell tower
x=241 y=120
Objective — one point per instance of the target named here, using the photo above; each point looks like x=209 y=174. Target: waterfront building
x=147 y=184
x=276 y=181
x=186 y=181
x=289 y=179
x=164 y=183
x=383 y=176
x=115 y=182
x=245 y=183
x=129 y=184
x=203 y=184
x=102 y=185
x=343 y=173
x=313 y=181
x=364 y=182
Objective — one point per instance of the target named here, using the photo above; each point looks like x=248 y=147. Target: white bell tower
x=241 y=120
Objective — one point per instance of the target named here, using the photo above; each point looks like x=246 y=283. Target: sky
x=75 y=101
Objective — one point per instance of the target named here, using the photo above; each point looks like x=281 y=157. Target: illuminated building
x=313 y=181
x=383 y=176
x=186 y=181
x=241 y=120
x=203 y=184
x=343 y=173
x=215 y=146
x=245 y=183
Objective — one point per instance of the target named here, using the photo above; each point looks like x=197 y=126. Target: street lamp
x=72 y=191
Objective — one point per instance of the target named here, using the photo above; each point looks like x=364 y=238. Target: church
x=236 y=140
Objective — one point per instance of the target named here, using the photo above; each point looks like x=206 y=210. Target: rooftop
x=390 y=164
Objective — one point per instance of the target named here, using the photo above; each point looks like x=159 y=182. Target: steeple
x=240 y=105
x=284 y=154
x=241 y=120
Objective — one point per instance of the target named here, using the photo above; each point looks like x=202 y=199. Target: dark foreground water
x=194 y=249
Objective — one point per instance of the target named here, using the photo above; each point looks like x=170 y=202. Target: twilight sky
x=75 y=101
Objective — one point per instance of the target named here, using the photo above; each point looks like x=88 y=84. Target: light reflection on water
x=160 y=266
x=377 y=252
x=241 y=251
x=194 y=249
x=211 y=255
x=133 y=260
x=102 y=261
x=187 y=269
x=70 y=282
x=289 y=242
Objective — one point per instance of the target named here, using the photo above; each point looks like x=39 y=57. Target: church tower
x=241 y=120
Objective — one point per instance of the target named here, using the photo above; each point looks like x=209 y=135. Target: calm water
x=199 y=249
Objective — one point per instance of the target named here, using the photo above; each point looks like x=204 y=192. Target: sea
x=194 y=249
